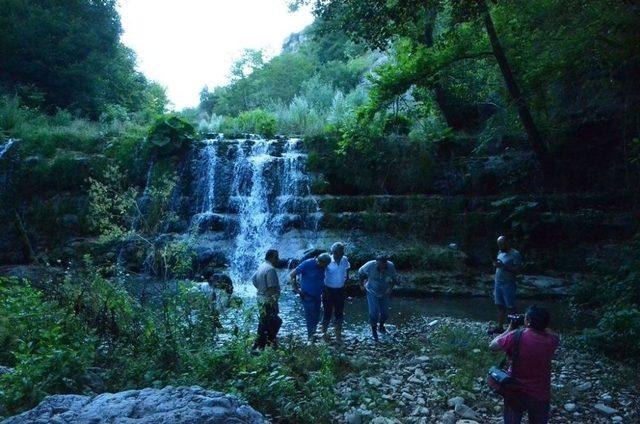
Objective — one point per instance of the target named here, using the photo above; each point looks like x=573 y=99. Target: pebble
x=569 y=407
x=584 y=387
x=449 y=418
x=453 y=402
x=463 y=411
x=606 y=398
x=421 y=410
x=374 y=381
x=607 y=410
x=616 y=419
x=408 y=396
x=353 y=418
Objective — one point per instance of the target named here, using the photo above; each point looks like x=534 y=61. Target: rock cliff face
x=171 y=405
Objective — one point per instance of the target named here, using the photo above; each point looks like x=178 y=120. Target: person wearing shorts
x=508 y=265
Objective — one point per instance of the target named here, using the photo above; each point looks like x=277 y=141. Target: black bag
x=499 y=379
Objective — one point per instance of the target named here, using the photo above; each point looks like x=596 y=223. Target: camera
x=516 y=319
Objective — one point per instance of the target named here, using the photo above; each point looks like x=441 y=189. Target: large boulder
x=171 y=405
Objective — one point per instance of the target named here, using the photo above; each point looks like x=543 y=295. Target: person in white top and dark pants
x=336 y=274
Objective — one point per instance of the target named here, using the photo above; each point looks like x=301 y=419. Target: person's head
x=381 y=260
x=337 y=250
x=323 y=260
x=503 y=244
x=537 y=318
x=272 y=257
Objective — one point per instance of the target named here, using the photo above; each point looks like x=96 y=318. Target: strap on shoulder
x=516 y=350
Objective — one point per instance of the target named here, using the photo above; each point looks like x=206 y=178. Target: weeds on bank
x=56 y=342
x=467 y=354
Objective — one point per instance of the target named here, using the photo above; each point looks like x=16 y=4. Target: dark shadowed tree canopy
x=67 y=54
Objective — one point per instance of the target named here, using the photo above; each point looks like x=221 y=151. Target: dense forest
x=428 y=122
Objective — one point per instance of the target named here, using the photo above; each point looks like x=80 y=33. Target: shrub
x=49 y=348
x=617 y=332
x=257 y=121
x=169 y=134
x=300 y=118
x=467 y=352
x=211 y=124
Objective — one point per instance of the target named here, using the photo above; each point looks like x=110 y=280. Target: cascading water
x=259 y=189
x=254 y=212
x=6 y=146
x=205 y=191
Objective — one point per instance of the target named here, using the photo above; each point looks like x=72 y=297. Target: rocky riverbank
x=170 y=405
x=432 y=371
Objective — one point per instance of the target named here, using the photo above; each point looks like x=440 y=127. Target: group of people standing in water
x=320 y=283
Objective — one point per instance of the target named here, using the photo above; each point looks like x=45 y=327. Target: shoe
x=374 y=332
x=382 y=329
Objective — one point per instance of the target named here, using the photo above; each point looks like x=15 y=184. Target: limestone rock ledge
x=175 y=405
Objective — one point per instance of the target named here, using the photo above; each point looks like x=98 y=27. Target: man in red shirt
x=532 y=368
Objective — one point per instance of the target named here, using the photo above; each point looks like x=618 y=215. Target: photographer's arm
x=495 y=343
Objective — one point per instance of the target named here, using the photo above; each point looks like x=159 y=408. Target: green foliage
x=49 y=348
x=254 y=121
x=467 y=353
x=173 y=342
x=293 y=383
x=612 y=294
x=117 y=215
x=617 y=332
x=112 y=205
x=170 y=134
x=420 y=256
x=69 y=55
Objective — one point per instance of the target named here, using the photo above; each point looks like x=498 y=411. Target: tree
x=377 y=22
x=69 y=54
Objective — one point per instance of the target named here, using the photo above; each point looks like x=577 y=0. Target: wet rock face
x=175 y=405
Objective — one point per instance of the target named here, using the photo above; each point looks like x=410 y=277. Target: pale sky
x=185 y=44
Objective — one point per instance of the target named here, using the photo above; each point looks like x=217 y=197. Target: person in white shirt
x=336 y=274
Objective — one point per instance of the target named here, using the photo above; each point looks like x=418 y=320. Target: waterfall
x=257 y=190
x=206 y=165
x=254 y=212
x=6 y=146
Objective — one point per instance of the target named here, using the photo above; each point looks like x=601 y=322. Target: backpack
x=499 y=380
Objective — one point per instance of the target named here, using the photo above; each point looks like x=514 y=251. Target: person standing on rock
x=310 y=289
x=265 y=280
x=377 y=278
x=537 y=345
x=508 y=265
x=335 y=276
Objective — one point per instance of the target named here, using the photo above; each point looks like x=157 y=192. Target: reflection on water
x=404 y=310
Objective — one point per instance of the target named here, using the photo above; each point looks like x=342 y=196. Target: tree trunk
x=538 y=145
x=29 y=253
x=438 y=90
